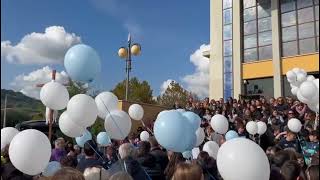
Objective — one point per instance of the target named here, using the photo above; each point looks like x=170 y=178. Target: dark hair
x=143 y=148
x=68 y=161
x=314 y=133
x=312 y=172
x=175 y=159
x=153 y=142
x=290 y=170
x=88 y=151
x=280 y=157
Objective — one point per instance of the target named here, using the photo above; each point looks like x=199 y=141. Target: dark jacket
x=161 y=157
x=85 y=163
x=131 y=166
x=150 y=165
x=9 y=172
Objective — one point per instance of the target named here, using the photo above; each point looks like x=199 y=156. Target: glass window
x=288 y=5
x=289 y=33
x=264 y=9
x=227 y=4
x=250 y=27
x=307 y=46
x=228 y=64
x=265 y=38
x=227 y=16
x=250 y=55
x=249 y=3
x=288 y=19
x=264 y=24
x=249 y=14
x=227 y=32
x=228 y=80
x=317 y=28
x=305 y=15
x=317 y=12
x=306 y=30
x=261 y=86
x=265 y=52
x=250 y=41
x=227 y=48
x=290 y=48
x=316 y=1
x=304 y=3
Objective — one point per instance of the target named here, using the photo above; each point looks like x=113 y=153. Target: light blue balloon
x=172 y=131
x=103 y=139
x=84 y=138
x=82 y=63
x=194 y=119
x=51 y=168
x=187 y=154
x=231 y=134
x=192 y=140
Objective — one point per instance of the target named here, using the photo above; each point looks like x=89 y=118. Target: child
x=312 y=147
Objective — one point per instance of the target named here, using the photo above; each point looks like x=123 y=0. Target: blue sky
x=168 y=31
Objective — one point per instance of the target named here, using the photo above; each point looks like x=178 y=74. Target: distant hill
x=20 y=107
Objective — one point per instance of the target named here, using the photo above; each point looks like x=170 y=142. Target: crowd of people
x=292 y=156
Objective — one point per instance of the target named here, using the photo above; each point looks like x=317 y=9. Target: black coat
x=9 y=172
x=149 y=163
x=161 y=157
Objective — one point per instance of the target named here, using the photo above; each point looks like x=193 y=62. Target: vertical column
x=216 y=51
x=237 y=49
x=276 y=48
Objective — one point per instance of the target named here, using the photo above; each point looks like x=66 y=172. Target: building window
x=300 y=26
x=257 y=34
x=262 y=87
x=227 y=49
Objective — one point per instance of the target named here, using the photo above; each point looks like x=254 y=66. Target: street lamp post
x=125 y=53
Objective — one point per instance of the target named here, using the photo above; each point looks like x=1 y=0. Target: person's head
x=88 y=151
x=291 y=170
x=207 y=111
x=121 y=176
x=110 y=150
x=310 y=115
x=291 y=114
x=275 y=113
x=59 y=143
x=289 y=100
x=272 y=101
x=126 y=150
x=280 y=157
x=314 y=136
x=272 y=150
x=247 y=112
x=300 y=159
x=67 y=161
x=95 y=173
x=258 y=103
x=221 y=100
x=143 y=148
x=77 y=149
x=291 y=136
x=188 y=171
x=252 y=108
x=312 y=172
x=202 y=158
x=280 y=100
x=68 y=173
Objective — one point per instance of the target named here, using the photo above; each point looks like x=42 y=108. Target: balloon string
x=104 y=160
x=146 y=127
x=113 y=120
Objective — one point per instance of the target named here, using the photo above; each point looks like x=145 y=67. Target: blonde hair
x=186 y=171
x=126 y=150
x=68 y=173
x=121 y=176
x=95 y=173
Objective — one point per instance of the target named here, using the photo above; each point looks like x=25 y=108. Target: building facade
x=255 y=42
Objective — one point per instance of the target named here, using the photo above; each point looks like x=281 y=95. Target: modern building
x=255 y=42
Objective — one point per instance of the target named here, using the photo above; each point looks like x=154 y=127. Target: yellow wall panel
x=309 y=63
x=257 y=69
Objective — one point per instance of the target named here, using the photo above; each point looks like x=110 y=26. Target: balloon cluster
x=178 y=131
x=254 y=128
x=306 y=88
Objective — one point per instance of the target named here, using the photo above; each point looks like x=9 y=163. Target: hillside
x=20 y=107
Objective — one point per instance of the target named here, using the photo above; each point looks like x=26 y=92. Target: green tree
x=174 y=93
x=75 y=88
x=138 y=91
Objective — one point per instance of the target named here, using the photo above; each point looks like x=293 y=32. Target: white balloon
x=301 y=77
x=309 y=90
x=310 y=78
x=241 y=158
x=294 y=90
x=30 y=151
x=106 y=102
x=301 y=98
x=195 y=152
x=83 y=110
x=118 y=124
x=181 y=110
x=7 y=135
x=68 y=127
x=144 y=136
x=200 y=136
x=219 y=123
x=54 y=95
x=316 y=82
x=294 y=125
x=291 y=76
x=296 y=70
x=211 y=148
x=262 y=127
x=252 y=127
x=136 y=112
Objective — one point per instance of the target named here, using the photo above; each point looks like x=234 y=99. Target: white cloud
x=26 y=84
x=198 y=82
x=40 y=48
